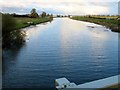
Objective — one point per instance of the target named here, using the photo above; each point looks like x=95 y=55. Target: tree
x=34 y=14
x=48 y=15
x=51 y=16
x=58 y=15
x=43 y=14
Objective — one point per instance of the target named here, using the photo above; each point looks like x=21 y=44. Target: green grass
x=21 y=22
x=111 y=23
x=105 y=17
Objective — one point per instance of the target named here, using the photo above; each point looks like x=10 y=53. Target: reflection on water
x=79 y=51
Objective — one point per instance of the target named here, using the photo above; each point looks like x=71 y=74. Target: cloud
x=74 y=7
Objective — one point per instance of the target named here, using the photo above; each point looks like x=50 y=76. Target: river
x=80 y=51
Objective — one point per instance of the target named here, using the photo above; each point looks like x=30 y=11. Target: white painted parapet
x=63 y=83
x=101 y=83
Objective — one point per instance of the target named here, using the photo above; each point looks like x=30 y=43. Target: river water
x=80 y=51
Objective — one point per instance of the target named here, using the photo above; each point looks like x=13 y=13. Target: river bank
x=111 y=23
x=12 y=35
x=22 y=22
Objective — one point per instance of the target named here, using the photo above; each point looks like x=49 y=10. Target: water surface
x=77 y=50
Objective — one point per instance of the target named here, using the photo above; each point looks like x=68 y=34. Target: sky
x=65 y=7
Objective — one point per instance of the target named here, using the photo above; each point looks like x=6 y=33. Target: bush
x=10 y=36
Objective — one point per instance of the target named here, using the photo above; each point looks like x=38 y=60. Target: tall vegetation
x=34 y=14
x=43 y=14
x=10 y=36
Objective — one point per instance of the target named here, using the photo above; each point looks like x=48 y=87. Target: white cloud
x=65 y=6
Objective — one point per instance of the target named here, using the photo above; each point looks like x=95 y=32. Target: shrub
x=10 y=36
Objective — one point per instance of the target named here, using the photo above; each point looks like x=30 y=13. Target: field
x=22 y=22
x=105 y=17
x=109 y=22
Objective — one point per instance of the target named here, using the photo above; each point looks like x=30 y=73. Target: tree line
x=34 y=14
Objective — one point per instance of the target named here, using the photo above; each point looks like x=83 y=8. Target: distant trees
x=43 y=14
x=58 y=16
x=48 y=15
x=34 y=14
x=17 y=15
x=51 y=16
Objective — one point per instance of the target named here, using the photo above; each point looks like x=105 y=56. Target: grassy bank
x=12 y=36
x=109 y=22
x=22 y=22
